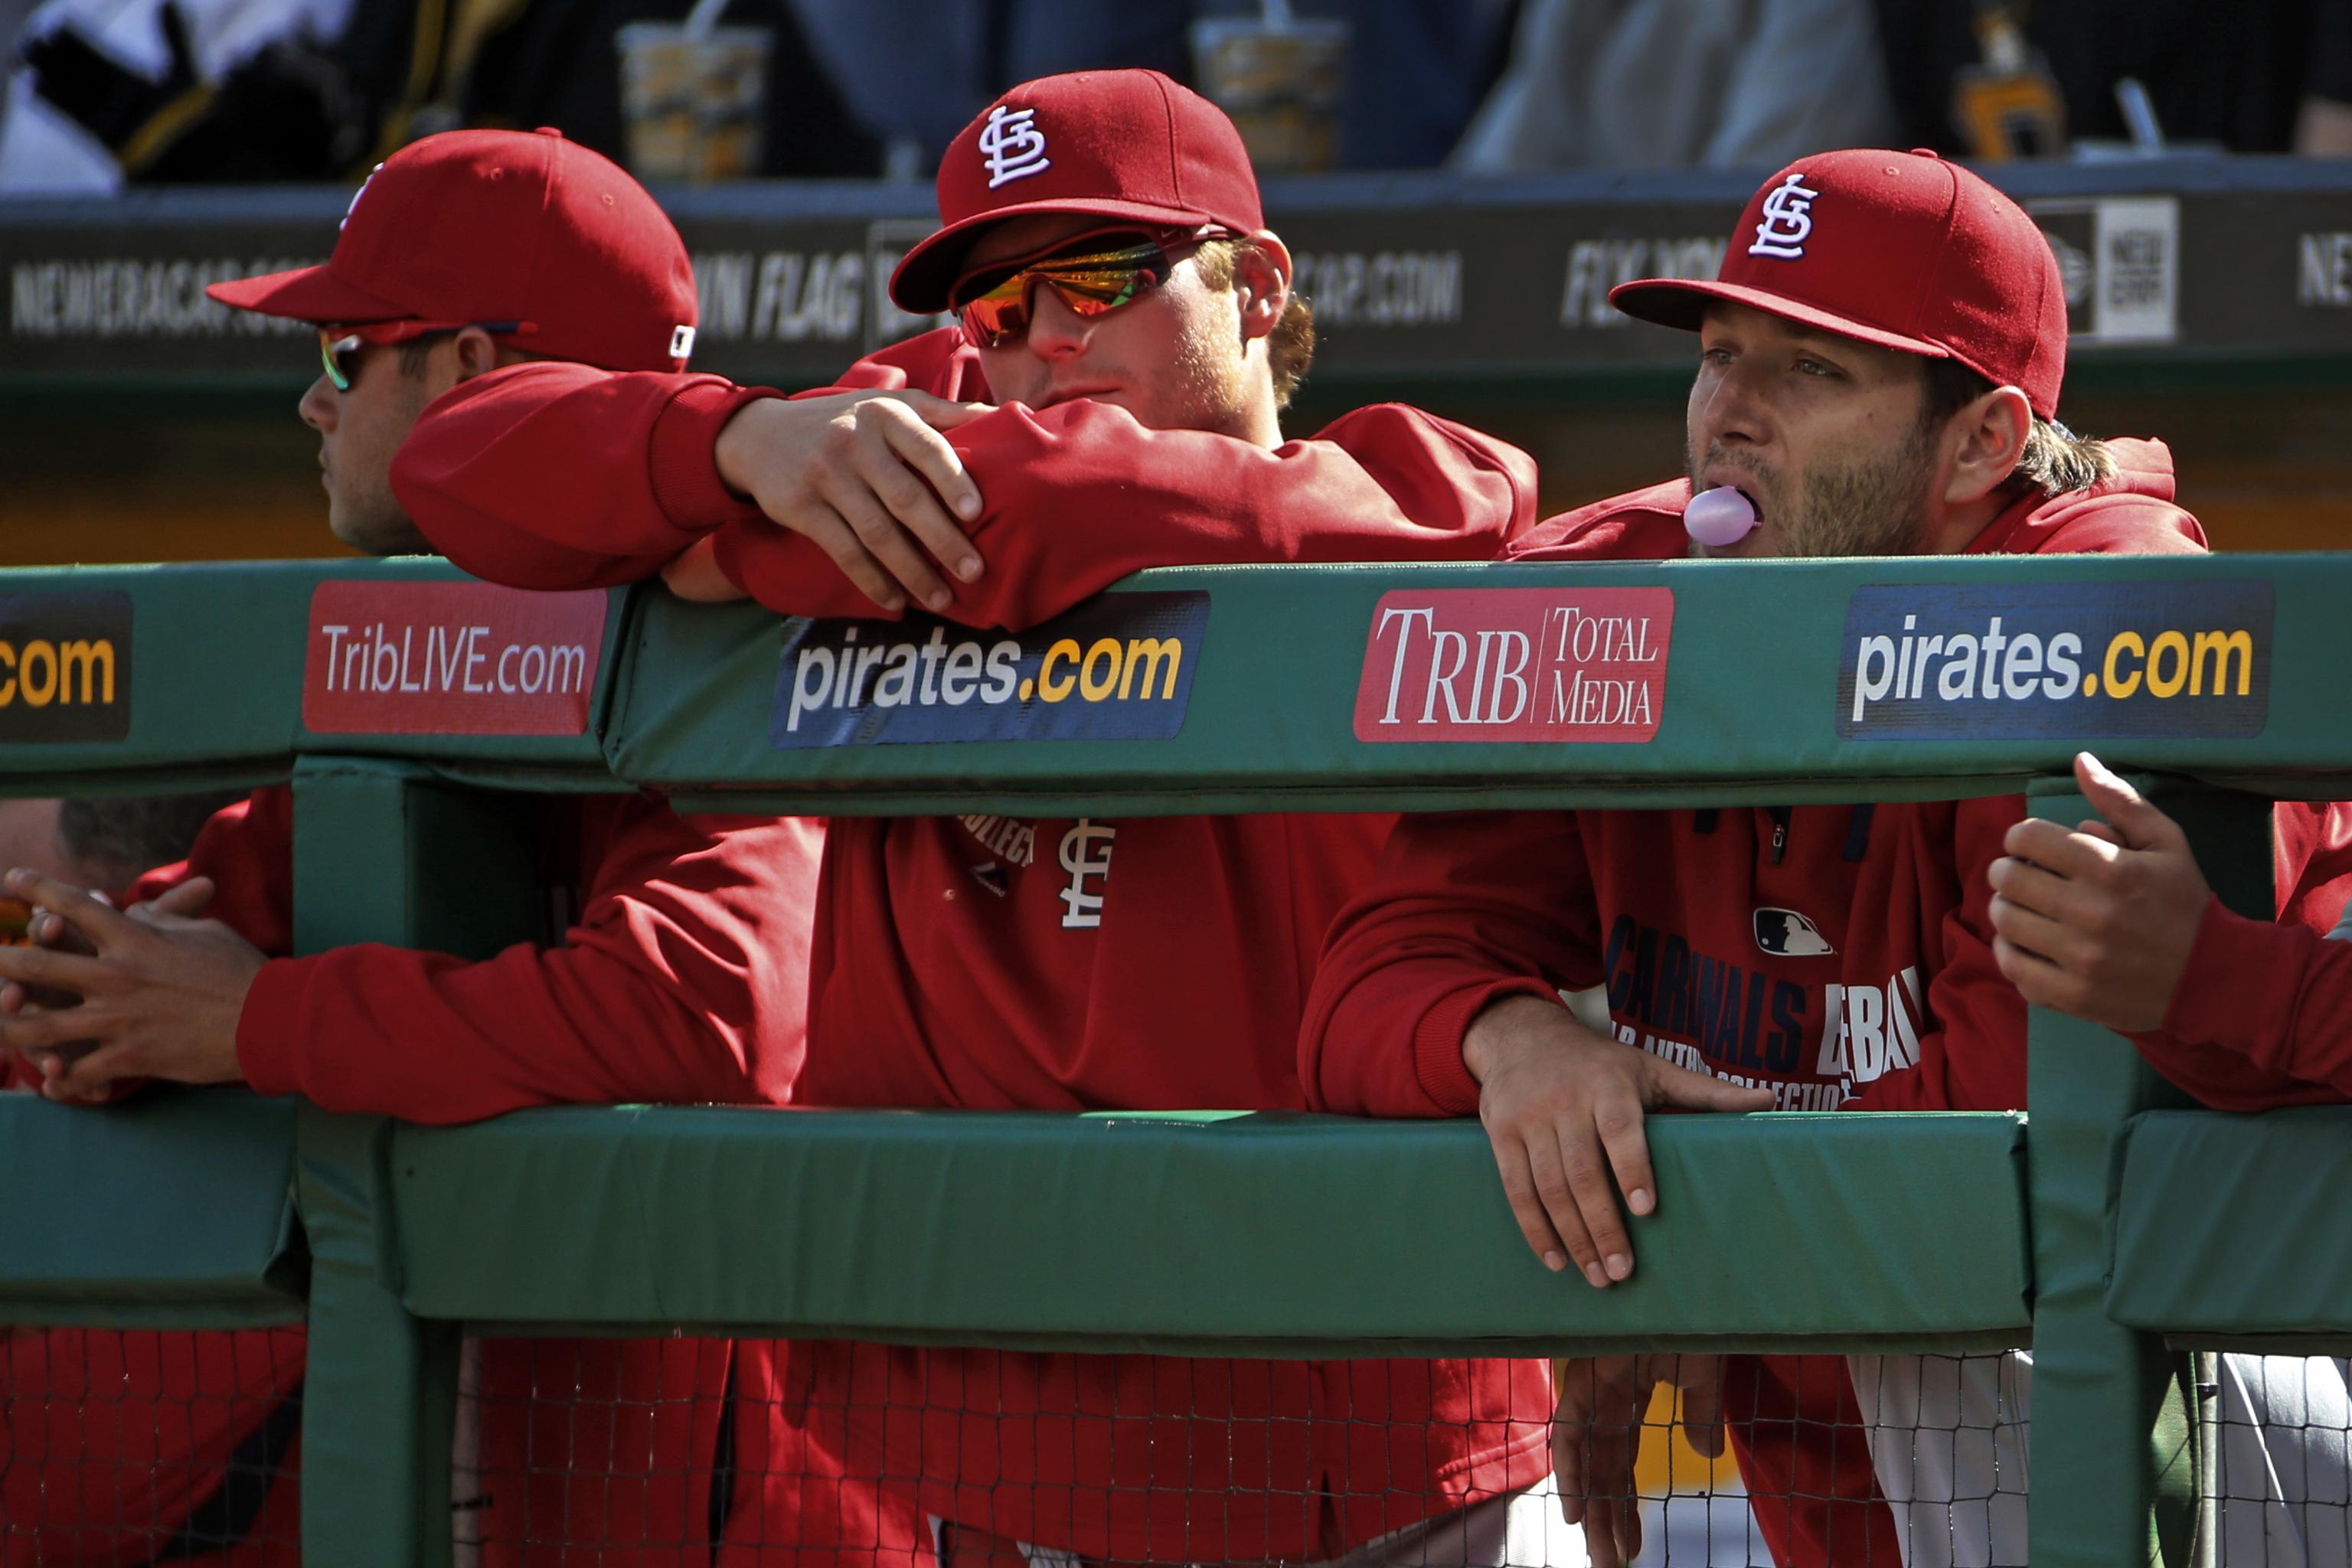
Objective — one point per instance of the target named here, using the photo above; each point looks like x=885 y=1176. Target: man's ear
x=1989 y=436
x=478 y=353
x=1262 y=277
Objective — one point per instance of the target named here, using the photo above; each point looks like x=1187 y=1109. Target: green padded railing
x=1267 y=1234
x=176 y=1211
x=1712 y=683
x=2256 y=1202
x=212 y=687
x=1754 y=665
x=1752 y=679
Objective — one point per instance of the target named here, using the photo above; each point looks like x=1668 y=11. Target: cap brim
x=926 y=273
x=306 y=294
x=1682 y=302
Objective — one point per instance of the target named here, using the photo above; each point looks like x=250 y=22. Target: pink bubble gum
x=1719 y=517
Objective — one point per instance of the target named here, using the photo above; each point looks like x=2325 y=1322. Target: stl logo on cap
x=1012 y=145
x=1787 y=220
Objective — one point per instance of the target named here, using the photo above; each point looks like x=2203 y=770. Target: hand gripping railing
x=1892 y=1232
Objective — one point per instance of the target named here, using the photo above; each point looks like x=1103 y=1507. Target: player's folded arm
x=1081 y=495
x=676 y=985
x=552 y=473
x=1465 y=908
x=2261 y=1019
x=432 y=1039
x=545 y=475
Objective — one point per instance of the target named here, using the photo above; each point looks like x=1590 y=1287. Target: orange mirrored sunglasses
x=1092 y=274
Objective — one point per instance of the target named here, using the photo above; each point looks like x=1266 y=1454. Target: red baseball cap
x=1901 y=249
x=1116 y=143
x=502 y=225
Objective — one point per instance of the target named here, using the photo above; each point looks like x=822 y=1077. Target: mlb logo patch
x=1787 y=934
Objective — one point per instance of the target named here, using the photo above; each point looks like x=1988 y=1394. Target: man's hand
x=2099 y=923
x=47 y=930
x=1563 y=1107
x=1597 y=1434
x=189 y=899
x=863 y=475
x=159 y=993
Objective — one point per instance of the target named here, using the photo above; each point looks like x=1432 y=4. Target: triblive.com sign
x=1935 y=663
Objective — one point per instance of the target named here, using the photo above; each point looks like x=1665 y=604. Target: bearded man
x=1879 y=373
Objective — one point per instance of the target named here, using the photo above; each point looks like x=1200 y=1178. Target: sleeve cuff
x=267 y=1028
x=727 y=548
x=2213 y=1005
x=1437 y=1043
x=686 y=481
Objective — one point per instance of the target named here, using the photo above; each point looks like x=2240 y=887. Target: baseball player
x=682 y=978
x=1121 y=301
x=1841 y=407
x=2113 y=921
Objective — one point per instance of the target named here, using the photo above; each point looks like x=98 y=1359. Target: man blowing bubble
x=1879 y=365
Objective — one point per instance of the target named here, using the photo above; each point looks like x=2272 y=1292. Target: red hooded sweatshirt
x=2263 y=1018
x=682 y=979
x=1824 y=952
x=992 y=963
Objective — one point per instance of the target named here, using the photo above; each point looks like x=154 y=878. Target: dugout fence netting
x=2275 y=1476
x=132 y=1446
x=150 y=1446
x=179 y=1445
x=863 y=1456
x=873 y=1457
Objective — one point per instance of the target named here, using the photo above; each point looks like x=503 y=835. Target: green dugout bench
x=417 y=712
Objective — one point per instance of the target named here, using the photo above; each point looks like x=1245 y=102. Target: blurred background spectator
x=109 y=91
x=116 y=91
x=1635 y=84
x=1414 y=70
x=238 y=90
x=2001 y=79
